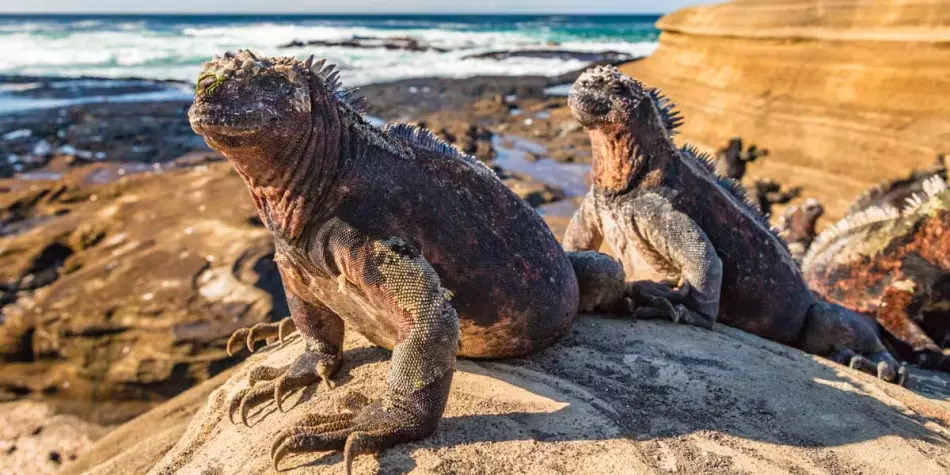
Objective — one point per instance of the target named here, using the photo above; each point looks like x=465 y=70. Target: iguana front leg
x=679 y=244
x=584 y=232
x=602 y=279
x=322 y=332
x=397 y=280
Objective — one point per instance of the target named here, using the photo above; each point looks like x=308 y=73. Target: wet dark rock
x=404 y=43
x=598 y=57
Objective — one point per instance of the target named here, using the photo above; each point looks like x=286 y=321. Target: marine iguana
x=797 y=227
x=414 y=244
x=666 y=213
x=893 y=264
x=731 y=161
x=766 y=192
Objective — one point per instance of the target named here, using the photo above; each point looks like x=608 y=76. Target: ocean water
x=173 y=47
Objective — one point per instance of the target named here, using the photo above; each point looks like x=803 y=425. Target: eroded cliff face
x=844 y=93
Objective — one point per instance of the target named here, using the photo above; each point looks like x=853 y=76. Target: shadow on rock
x=615 y=396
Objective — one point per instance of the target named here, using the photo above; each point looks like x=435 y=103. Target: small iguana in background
x=766 y=192
x=665 y=212
x=414 y=244
x=731 y=161
x=798 y=227
x=893 y=264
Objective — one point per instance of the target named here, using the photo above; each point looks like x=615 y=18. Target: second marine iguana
x=414 y=244
x=665 y=212
x=893 y=263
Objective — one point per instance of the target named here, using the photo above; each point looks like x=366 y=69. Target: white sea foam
x=128 y=49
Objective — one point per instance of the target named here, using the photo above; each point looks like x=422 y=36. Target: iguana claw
x=879 y=364
x=651 y=300
x=373 y=427
x=261 y=331
x=276 y=383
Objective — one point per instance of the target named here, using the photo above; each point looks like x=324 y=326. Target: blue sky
x=346 y=6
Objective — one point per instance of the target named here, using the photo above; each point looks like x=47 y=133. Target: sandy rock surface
x=35 y=440
x=844 y=94
x=614 y=397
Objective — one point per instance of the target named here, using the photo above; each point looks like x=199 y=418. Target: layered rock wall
x=843 y=93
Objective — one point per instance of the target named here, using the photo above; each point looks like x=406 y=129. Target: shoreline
x=139 y=120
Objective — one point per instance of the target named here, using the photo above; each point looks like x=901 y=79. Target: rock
x=405 y=43
x=598 y=57
x=845 y=94
x=144 y=132
x=135 y=446
x=536 y=193
x=126 y=292
x=616 y=396
x=35 y=440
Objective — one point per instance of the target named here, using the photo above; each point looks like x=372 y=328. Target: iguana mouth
x=226 y=121
x=597 y=93
x=588 y=107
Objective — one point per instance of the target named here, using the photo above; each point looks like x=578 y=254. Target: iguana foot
x=654 y=300
x=880 y=364
x=658 y=300
x=261 y=331
x=275 y=383
x=852 y=339
x=688 y=316
x=371 y=427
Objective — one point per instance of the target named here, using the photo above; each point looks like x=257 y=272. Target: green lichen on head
x=218 y=80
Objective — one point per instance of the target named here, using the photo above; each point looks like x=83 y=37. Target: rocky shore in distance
x=409 y=43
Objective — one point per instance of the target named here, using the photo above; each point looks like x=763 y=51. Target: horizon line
x=398 y=13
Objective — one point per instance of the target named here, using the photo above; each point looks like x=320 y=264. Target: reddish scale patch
x=865 y=285
x=896 y=306
x=611 y=168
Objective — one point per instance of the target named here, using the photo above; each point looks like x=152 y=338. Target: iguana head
x=799 y=222
x=603 y=97
x=272 y=117
x=626 y=121
x=243 y=99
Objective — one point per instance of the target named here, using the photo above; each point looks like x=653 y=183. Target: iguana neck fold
x=624 y=155
x=292 y=177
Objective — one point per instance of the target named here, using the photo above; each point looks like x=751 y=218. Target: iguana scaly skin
x=894 y=193
x=893 y=264
x=417 y=246
x=798 y=227
x=667 y=214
